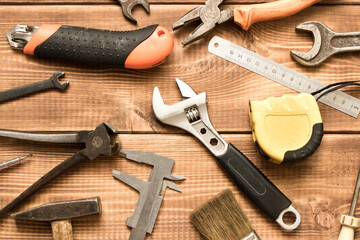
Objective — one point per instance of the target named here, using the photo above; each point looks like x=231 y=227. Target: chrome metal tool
x=151 y=192
x=283 y=75
x=349 y=222
x=12 y=162
x=326 y=43
x=51 y=83
x=192 y=116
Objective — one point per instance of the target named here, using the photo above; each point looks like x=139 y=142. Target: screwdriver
x=349 y=223
x=12 y=162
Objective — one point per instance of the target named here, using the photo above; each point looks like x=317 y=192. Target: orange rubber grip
x=41 y=35
x=246 y=15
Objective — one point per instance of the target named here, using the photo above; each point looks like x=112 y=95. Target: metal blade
x=186 y=90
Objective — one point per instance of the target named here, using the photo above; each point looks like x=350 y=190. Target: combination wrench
x=326 y=43
x=51 y=83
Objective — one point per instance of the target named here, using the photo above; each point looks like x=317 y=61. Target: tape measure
x=281 y=74
x=287 y=128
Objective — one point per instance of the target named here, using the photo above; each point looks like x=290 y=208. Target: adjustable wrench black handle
x=139 y=49
x=48 y=177
x=253 y=182
x=50 y=83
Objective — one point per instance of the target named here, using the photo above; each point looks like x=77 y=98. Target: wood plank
x=123 y=97
x=320 y=187
x=112 y=2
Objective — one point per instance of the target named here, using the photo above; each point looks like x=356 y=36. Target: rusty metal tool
x=349 y=222
x=151 y=192
x=128 y=5
x=192 y=116
x=244 y=15
x=51 y=83
x=60 y=215
x=326 y=43
x=12 y=162
x=97 y=142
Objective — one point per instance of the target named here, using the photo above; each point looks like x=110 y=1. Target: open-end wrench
x=192 y=116
x=128 y=5
x=326 y=43
x=51 y=83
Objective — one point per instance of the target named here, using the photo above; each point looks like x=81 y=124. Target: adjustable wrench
x=326 y=43
x=191 y=115
x=51 y=83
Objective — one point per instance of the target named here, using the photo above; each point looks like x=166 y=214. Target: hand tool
x=51 y=83
x=12 y=162
x=60 y=215
x=326 y=43
x=281 y=74
x=222 y=218
x=244 y=15
x=349 y=222
x=128 y=5
x=191 y=115
x=151 y=192
x=97 y=142
x=287 y=128
x=138 y=49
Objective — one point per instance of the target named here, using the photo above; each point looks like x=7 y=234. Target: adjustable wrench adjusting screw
x=193 y=114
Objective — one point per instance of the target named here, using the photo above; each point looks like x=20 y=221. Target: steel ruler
x=281 y=74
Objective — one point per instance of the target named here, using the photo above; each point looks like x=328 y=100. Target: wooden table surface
x=320 y=187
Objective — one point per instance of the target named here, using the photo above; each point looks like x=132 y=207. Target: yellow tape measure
x=287 y=128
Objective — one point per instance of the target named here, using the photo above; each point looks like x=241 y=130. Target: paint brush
x=222 y=218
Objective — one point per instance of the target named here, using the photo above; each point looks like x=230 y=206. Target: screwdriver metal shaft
x=12 y=162
x=350 y=223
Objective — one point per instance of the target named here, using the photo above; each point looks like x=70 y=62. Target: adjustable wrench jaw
x=192 y=116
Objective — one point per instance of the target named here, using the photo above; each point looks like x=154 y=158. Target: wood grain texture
x=113 y=2
x=320 y=187
x=123 y=97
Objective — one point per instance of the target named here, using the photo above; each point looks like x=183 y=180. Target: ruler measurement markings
x=283 y=75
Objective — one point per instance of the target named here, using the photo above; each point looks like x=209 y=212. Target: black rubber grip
x=93 y=46
x=309 y=148
x=253 y=182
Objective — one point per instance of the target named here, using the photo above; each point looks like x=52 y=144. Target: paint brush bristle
x=222 y=218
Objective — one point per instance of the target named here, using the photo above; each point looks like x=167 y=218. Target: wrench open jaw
x=56 y=80
x=326 y=43
x=128 y=5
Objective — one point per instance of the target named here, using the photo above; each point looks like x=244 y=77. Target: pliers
x=97 y=142
x=244 y=15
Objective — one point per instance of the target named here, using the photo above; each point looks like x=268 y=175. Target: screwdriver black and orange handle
x=138 y=49
x=246 y=15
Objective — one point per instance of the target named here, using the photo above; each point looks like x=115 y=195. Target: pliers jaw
x=210 y=15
